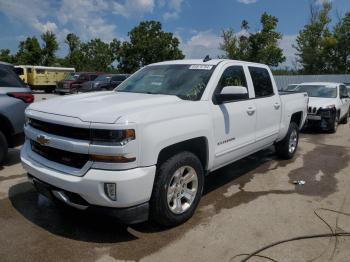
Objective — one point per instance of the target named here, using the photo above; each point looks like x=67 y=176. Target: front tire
x=346 y=118
x=3 y=147
x=334 y=125
x=177 y=189
x=287 y=147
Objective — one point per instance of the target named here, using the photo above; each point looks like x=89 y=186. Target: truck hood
x=320 y=102
x=102 y=107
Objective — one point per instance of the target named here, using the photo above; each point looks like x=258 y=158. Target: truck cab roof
x=213 y=62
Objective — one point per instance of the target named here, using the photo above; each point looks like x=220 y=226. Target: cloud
x=201 y=44
x=174 y=7
x=289 y=52
x=133 y=7
x=247 y=1
x=32 y=14
x=86 y=18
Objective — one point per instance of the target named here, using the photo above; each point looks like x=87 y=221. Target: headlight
x=120 y=137
x=96 y=84
x=329 y=107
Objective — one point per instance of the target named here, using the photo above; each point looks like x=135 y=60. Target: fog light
x=111 y=191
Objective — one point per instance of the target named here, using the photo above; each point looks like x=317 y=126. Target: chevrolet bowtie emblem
x=42 y=140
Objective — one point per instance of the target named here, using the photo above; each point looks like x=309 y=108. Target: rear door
x=268 y=106
x=234 y=122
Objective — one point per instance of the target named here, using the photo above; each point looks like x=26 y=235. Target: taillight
x=25 y=97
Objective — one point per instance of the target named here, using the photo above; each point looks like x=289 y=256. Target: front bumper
x=129 y=215
x=134 y=186
x=324 y=120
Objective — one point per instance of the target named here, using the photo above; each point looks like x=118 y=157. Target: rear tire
x=287 y=147
x=177 y=189
x=3 y=147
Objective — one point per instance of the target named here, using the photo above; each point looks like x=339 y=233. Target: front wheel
x=346 y=118
x=334 y=124
x=287 y=147
x=177 y=189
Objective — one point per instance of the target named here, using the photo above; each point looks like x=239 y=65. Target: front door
x=234 y=122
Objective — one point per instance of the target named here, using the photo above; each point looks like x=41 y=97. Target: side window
x=343 y=91
x=261 y=81
x=8 y=78
x=40 y=71
x=232 y=76
x=83 y=78
x=93 y=77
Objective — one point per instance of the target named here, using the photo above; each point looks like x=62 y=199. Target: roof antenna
x=207 y=58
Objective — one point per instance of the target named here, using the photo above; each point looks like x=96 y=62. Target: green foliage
x=342 y=52
x=97 y=55
x=29 y=52
x=49 y=49
x=148 y=44
x=316 y=43
x=261 y=46
x=6 y=56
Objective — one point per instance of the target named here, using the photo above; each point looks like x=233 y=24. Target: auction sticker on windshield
x=201 y=67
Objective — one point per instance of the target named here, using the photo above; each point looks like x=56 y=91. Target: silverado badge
x=42 y=140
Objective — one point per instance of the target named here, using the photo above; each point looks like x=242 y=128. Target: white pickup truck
x=142 y=151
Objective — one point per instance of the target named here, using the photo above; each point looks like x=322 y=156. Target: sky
x=197 y=23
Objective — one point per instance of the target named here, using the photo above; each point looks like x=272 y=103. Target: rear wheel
x=3 y=147
x=287 y=147
x=177 y=189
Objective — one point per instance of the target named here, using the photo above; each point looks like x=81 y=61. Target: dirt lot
x=246 y=206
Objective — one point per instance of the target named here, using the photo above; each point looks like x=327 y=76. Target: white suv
x=328 y=105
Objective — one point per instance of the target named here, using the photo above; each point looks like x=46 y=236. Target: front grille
x=60 y=156
x=60 y=130
x=312 y=110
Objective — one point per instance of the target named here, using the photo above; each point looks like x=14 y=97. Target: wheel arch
x=198 y=146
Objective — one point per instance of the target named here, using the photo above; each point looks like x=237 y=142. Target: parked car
x=73 y=82
x=142 y=150
x=14 y=98
x=104 y=82
x=42 y=77
x=329 y=104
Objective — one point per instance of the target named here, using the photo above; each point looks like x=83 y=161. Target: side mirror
x=232 y=93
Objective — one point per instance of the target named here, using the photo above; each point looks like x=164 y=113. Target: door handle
x=277 y=106
x=251 y=110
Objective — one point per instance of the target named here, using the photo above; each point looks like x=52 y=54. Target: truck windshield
x=185 y=81
x=103 y=78
x=71 y=76
x=318 y=90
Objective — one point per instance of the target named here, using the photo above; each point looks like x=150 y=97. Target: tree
x=261 y=46
x=98 y=55
x=6 y=56
x=342 y=52
x=29 y=52
x=148 y=44
x=49 y=49
x=315 y=43
x=74 y=56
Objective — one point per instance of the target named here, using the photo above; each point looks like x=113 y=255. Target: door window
x=343 y=91
x=261 y=81
x=232 y=76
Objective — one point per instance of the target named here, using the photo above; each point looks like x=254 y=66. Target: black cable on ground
x=333 y=234
x=346 y=234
